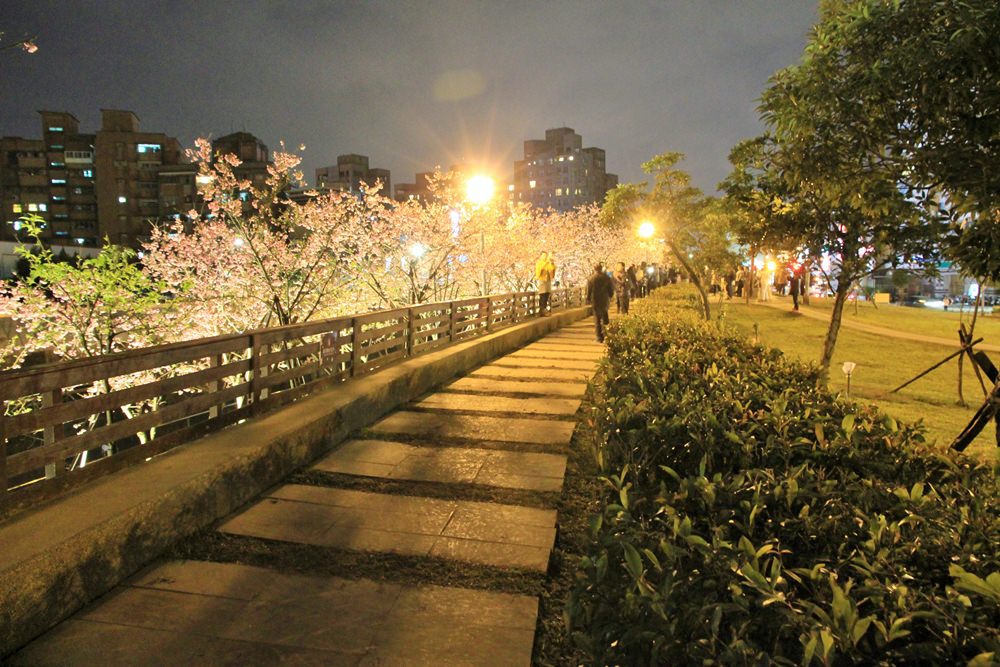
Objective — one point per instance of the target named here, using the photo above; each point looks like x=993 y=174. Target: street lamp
x=479 y=191
x=646 y=230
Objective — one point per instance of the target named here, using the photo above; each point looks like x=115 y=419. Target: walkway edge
x=64 y=554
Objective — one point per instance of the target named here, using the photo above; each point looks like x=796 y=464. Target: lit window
x=560 y=159
x=88 y=173
x=33 y=208
x=510 y=187
x=558 y=192
x=18 y=208
x=531 y=184
x=149 y=148
x=57 y=164
x=55 y=129
x=58 y=181
x=122 y=200
x=58 y=198
x=56 y=146
x=79 y=241
x=43 y=207
x=570 y=158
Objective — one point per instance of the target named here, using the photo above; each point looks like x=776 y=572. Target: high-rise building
x=127 y=163
x=114 y=184
x=350 y=172
x=53 y=177
x=557 y=172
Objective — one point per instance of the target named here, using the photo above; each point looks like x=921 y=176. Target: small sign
x=328 y=347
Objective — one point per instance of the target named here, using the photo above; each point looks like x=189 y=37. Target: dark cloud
x=412 y=84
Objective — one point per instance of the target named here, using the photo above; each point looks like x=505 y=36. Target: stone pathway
x=504 y=427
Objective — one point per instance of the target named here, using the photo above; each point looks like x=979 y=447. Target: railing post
x=411 y=330
x=453 y=322
x=3 y=458
x=489 y=313
x=355 y=346
x=255 y=379
x=52 y=432
x=214 y=386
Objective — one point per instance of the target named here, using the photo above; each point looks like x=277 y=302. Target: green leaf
x=633 y=561
x=860 y=628
x=847 y=424
x=984 y=660
x=897 y=629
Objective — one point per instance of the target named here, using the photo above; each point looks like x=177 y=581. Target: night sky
x=411 y=84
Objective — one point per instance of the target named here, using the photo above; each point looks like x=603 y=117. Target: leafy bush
x=754 y=518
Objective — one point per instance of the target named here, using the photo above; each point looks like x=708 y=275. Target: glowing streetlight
x=771 y=266
x=417 y=250
x=646 y=230
x=479 y=189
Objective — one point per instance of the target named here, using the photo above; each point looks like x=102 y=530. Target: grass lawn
x=883 y=363
x=926 y=321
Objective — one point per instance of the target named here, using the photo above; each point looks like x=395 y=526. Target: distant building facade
x=350 y=172
x=86 y=186
x=418 y=190
x=559 y=173
x=115 y=183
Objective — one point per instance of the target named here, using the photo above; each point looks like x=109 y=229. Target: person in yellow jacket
x=545 y=273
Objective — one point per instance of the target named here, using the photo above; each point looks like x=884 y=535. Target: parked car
x=915 y=301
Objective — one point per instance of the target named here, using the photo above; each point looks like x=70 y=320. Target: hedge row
x=752 y=517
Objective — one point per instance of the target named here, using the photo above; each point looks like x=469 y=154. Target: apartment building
x=558 y=172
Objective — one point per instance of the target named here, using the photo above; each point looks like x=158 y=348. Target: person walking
x=795 y=286
x=623 y=289
x=600 y=289
x=633 y=282
x=545 y=272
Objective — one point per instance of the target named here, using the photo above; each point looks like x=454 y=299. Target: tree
x=846 y=186
x=261 y=259
x=83 y=308
x=678 y=208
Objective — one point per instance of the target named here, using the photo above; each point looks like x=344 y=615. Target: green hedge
x=752 y=517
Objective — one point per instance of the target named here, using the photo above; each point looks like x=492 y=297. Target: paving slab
x=507 y=536
x=535 y=353
x=531 y=406
x=475 y=427
x=567 y=346
x=518 y=470
x=198 y=613
x=545 y=362
x=503 y=372
x=482 y=385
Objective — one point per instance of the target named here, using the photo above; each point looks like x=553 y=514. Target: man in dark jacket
x=600 y=290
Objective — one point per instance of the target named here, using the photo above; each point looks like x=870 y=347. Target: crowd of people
x=781 y=279
x=621 y=286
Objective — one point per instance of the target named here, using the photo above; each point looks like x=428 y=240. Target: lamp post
x=479 y=191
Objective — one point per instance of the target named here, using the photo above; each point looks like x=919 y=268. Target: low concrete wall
x=58 y=557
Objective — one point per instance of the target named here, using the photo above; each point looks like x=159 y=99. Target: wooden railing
x=67 y=422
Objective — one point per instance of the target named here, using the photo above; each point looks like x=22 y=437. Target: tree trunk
x=840 y=298
x=695 y=278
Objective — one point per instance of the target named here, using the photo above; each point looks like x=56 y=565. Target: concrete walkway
x=506 y=426
x=823 y=316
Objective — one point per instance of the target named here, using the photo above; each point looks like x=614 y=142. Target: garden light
x=848 y=368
